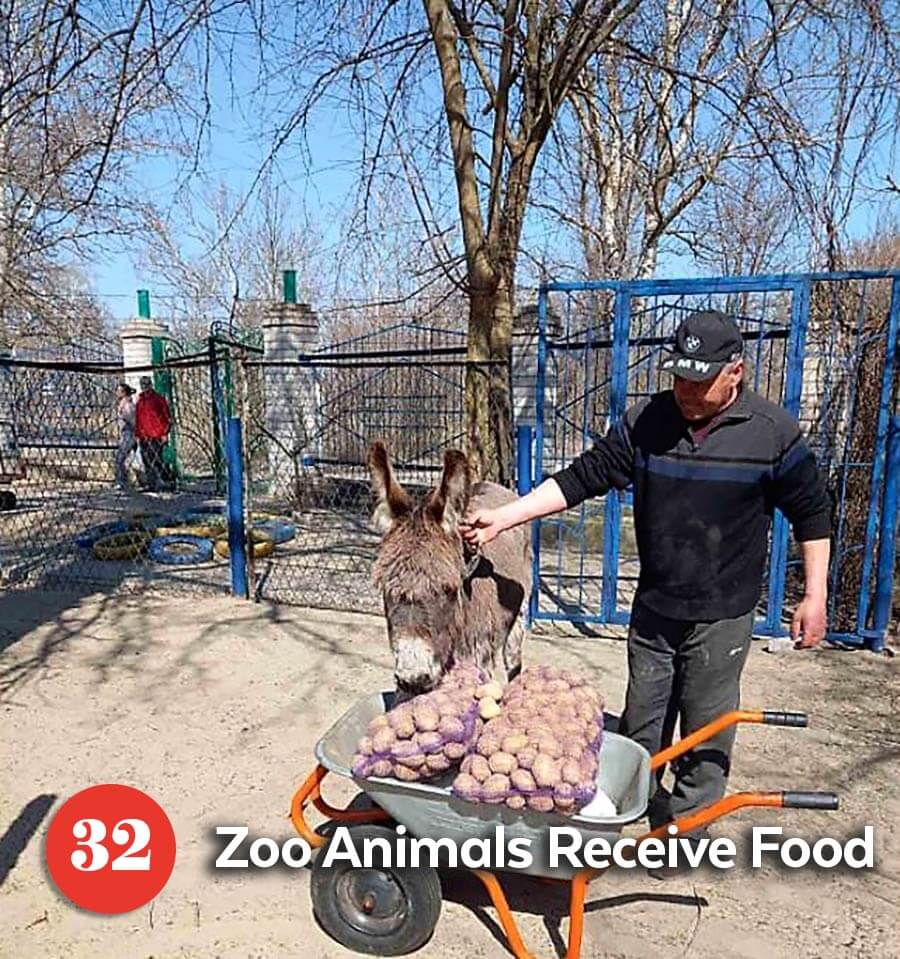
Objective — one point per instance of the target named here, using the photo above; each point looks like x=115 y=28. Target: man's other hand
x=809 y=623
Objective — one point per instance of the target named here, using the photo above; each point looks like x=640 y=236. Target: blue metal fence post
x=525 y=478
x=881 y=442
x=887 y=538
x=537 y=466
x=793 y=388
x=237 y=538
x=612 y=508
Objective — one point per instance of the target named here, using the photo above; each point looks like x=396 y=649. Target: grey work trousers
x=690 y=672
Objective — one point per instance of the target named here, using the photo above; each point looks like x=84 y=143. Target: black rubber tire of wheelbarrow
x=418 y=888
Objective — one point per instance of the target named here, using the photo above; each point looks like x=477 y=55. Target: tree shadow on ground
x=20 y=831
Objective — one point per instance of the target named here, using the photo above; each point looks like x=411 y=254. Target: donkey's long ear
x=449 y=501
x=391 y=500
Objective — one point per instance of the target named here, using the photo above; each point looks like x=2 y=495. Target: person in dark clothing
x=152 y=424
x=708 y=461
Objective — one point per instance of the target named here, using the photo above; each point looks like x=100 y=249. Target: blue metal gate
x=823 y=345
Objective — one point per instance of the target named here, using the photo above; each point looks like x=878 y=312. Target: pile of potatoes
x=425 y=736
x=539 y=748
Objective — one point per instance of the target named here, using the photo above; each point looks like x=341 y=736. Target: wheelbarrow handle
x=799 y=800
x=773 y=717
x=770 y=717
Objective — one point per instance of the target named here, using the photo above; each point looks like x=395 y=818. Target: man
x=708 y=460
x=152 y=424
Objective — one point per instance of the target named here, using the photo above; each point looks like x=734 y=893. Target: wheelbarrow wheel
x=384 y=910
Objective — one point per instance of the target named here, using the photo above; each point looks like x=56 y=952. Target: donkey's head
x=420 y=567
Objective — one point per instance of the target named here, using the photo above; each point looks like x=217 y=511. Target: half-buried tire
x=122 y=546
x=263 y=544
x=180 y=550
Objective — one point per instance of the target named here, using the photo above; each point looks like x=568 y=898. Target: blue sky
x=235 y=148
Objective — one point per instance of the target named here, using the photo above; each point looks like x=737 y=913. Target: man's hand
x=809 y=622
x=482 y=526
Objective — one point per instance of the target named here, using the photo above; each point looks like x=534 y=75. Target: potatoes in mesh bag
x=426 y=736
x=539 y=751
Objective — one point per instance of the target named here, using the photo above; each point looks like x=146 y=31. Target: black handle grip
x=772 y=717
x=791 y=800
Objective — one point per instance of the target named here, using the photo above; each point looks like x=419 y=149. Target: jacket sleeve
x=609 y=463
x=798 y=490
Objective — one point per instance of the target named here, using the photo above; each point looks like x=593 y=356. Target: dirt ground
x=213 y=707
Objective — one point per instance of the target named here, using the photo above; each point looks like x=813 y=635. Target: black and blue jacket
x=702 y=511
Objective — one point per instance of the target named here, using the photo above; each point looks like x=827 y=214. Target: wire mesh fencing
x=308 y=425
x=77 y=513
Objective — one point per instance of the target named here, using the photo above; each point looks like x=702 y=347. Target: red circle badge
x=110 y=849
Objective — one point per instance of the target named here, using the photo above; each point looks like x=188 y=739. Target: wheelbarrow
x=391 y=910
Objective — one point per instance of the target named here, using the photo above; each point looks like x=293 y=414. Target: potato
x=467 y=786
x=515 y=802
x=515 y=742
x=480 y=769
x=545 y=771
x=564 y=792
x=455 y=751
x=412 y=761
x=451 y=728
x=487 y=745
x=383 y=740
x=437 y=763
x=404 y=774
x=526 y=757
x=571 y=771
x=399 y=715
x=550 y=746
x=523 y=780
x=365 y=746
x=540 y=803
x=489 y=708
x=490 y=690
x=592 y=732
x=427 y=717
x=466 y=765
x=381 y=721
x=429 y=742
x=496 y=788
x=501 y=762
x=382 y=768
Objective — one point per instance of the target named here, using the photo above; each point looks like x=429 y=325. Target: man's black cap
x=705 y=342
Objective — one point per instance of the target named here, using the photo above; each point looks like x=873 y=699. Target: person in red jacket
x=152 y=424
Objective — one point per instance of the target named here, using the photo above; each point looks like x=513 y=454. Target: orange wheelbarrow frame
x=310 y=793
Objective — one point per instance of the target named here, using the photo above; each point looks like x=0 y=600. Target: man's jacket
x=702 y=509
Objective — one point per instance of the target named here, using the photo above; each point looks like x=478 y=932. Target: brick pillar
x=524 y=374
x=291 y=392
x=137 y=337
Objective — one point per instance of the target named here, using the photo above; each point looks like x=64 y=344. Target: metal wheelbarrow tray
x=393 y=911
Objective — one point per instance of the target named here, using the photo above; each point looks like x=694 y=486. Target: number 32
x=90 y=833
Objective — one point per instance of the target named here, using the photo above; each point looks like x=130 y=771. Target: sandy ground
x=213 y=707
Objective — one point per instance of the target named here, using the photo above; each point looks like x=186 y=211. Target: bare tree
x=502 y=72
x=84 y=91
x=704 y=109
x=220 y=257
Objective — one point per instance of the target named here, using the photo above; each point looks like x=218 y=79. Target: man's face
x=700 y=400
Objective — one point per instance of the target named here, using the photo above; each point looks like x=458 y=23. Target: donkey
x=443 y=604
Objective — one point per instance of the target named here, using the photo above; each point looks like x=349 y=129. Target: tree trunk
x=488 y=403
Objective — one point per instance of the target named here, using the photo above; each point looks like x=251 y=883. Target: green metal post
x=143 y=297
x=289 y=286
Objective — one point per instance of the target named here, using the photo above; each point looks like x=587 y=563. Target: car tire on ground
x=180 y=550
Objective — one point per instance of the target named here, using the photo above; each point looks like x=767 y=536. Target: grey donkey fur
x=442 y=604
